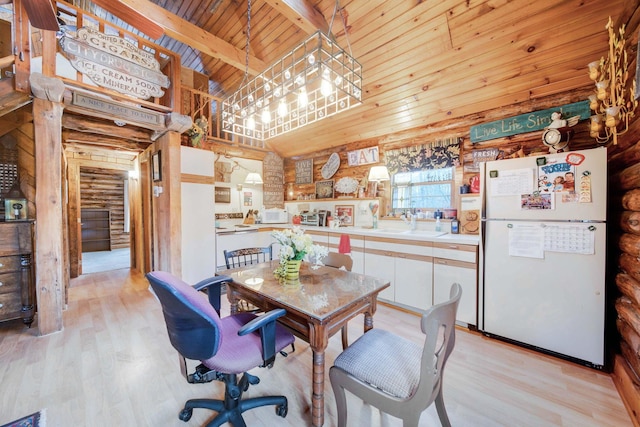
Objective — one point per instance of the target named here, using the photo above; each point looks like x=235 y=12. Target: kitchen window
x=423 y=189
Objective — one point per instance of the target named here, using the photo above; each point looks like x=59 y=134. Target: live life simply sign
x=524 y=123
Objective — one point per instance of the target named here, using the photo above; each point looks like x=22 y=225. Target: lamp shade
x=379 y=173
x=253 y=178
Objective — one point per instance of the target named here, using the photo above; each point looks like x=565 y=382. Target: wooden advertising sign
x=304 y=171
x=118 y=110
x=524 y=123
x=364 y=156
x=115 y=63
x=273 y=187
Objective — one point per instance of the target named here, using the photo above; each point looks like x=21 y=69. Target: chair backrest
x=336 y=260
x=193 y=325
x=438 y=323
x=241 y=257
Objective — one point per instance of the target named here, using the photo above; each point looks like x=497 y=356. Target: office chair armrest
x=266 y=324
x=213 y=287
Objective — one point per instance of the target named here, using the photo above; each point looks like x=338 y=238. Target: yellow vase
x=292 y=269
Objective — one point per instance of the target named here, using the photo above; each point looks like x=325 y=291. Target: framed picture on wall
x=324 y=189
x=156 y=166
x=345 y=214
x=222 y=194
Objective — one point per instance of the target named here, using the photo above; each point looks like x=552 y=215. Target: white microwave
x=275 y=216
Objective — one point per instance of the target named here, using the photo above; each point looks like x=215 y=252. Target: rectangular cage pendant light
x=317 y=79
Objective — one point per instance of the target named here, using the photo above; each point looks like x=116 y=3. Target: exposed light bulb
x=287 y=74
x=266 y=116
x=282 y=108
x=302 y=98
x=311 y=58
x=251 y=123
x=299 y=80
x=326 y=88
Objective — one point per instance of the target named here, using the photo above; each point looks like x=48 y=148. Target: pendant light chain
x=246 y=60
x=344 y=24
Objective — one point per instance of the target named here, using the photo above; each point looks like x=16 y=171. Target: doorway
x=105 y=226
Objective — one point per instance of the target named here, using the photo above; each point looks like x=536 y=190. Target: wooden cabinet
x=406 y=264
x=457 y=263
x=96 y=230
x=17 y=289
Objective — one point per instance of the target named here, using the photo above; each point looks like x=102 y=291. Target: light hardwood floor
x=112 y=365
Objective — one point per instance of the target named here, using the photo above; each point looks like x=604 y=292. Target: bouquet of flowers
x=295 y=245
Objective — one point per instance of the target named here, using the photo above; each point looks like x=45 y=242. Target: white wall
x=198 y=217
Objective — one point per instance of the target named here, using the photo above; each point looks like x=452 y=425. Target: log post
x=167 y=207
x=49 y=241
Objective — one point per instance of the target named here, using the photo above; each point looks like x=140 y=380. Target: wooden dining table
x=318 y=305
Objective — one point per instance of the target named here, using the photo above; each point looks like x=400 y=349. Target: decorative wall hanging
x=331 y=167
x=114 y=63
x=304 y=171
x=613 y=104
x=324 y=189
x=435 y=155
x=222 y=195
x=525 y=123
x=364 y=156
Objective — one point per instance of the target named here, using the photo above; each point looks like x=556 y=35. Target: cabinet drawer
x=10 y=282
x=10 y=263
x=467 y=253
x=10 y=304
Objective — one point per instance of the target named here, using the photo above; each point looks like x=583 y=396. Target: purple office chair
x=225 y=346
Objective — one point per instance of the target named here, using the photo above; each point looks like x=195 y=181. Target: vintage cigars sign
x=115 y=63
x=524 y=123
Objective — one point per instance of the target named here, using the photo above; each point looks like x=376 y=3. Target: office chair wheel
x=185 y=414
x=281 y=410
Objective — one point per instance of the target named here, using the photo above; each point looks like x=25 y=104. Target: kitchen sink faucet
x=412 y=222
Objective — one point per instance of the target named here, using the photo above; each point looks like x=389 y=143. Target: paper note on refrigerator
x=526 y=240
x=512 y=182
x=576 y=239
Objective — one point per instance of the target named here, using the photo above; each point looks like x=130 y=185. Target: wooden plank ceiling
x=424 y=61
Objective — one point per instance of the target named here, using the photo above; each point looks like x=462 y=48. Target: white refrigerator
x=543 y=246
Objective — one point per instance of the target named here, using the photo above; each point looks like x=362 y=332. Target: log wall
x=104 y=189
x=624 y=170
x=514 y=146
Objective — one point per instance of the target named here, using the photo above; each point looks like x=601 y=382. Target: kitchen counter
x=390 y=233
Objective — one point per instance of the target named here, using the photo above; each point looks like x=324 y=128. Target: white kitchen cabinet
x=413 y=280
x=382 y=266
x=406 y=264
x=357 y=249
x=455 y=263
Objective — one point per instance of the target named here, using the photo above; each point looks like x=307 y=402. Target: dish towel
x=345 y=244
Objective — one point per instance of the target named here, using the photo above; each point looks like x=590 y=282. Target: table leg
x=233 y=301
x=317 y=395
x=368 y=321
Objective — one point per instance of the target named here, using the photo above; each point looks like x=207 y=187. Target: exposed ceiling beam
x=132 y=17
x=196 y=37
x=302 y=14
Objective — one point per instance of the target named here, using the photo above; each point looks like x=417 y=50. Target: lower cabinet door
x=381 y=266
x=413 y=280
x=445 y=273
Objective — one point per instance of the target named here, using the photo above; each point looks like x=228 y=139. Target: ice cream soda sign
x=114 y=63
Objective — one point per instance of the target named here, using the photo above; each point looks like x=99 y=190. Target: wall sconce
x=613 y=103
x=253 y=178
